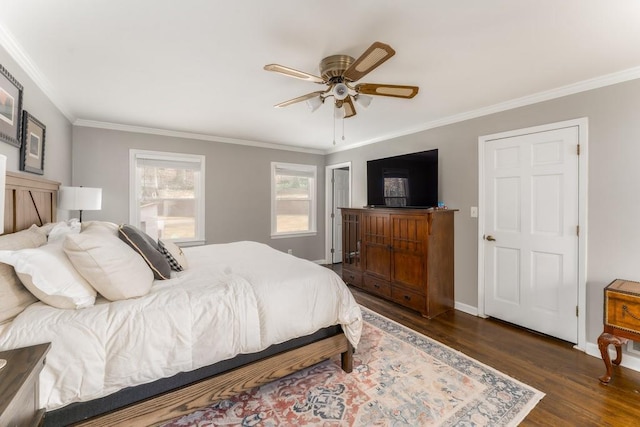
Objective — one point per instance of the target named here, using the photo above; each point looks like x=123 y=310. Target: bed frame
x=33 y=200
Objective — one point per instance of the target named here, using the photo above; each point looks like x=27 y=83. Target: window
x=293 y=199
x=167 y=195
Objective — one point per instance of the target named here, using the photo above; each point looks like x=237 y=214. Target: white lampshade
x=314 y=103
x=3 y=173
x=363 y=100
x=80 y=199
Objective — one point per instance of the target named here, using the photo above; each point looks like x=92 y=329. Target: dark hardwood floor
x=568 y=377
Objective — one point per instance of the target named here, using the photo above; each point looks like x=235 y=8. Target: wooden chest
x=622 y=309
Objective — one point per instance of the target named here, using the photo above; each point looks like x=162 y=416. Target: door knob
x=490 y=238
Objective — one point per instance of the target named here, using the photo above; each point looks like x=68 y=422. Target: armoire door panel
x=377 y=261
x=376 y=229
x=408 y=270
x=408 y=233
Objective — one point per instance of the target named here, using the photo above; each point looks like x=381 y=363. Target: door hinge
x=333 y=251
x=577 y=311
x=578 y=150
x=578 y=230
x=333 y=215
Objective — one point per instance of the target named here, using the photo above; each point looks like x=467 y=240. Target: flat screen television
x=405 y=181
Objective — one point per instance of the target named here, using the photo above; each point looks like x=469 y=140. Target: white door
x=340 y=200
x=531 y=225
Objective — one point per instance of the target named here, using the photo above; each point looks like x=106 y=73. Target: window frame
x=135 y=185
x=313 y=200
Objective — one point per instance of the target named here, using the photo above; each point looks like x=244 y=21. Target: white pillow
x=99 y=227
x=47 y=273
x=109 y=265
x=14 y=297
x=61 y=229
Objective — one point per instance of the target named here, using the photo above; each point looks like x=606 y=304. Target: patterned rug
x=400 y=378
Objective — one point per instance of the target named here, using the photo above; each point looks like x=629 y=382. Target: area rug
x=400 y=378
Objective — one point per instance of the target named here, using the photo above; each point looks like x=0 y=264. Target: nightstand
x=621 y=321
x=19 y=386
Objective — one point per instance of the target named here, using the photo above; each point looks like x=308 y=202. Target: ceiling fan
x=339 y=73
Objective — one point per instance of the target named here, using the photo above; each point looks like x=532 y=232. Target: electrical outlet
x=474 y=212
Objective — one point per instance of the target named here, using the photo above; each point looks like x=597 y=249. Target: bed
x=241 y=315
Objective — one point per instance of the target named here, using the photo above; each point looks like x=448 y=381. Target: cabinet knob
x=407 y=298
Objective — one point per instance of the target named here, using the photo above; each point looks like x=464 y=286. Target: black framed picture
x=32 y=148
x=10 y=108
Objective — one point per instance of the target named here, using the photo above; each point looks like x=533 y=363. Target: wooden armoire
x=404 y=255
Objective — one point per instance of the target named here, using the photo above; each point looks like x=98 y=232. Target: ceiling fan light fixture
x=340 y=91
x=340 y=74
x=363 y=100
x=314 y=103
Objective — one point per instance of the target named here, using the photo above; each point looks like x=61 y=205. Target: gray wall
x=57 y=157
x=613 y=187
x=238 y=205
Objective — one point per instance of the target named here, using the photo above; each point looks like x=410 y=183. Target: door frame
x=583 y=133
x=329 y=204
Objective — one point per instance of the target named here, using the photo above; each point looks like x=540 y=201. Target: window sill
x=288 y=235
x=188 y=243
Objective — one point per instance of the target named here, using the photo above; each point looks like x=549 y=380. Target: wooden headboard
x=28 y=200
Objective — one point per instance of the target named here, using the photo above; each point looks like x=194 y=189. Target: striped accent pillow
x=174 y=255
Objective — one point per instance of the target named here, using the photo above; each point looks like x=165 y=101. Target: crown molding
x=191 y=135
x=9 y=43
x=583 y=86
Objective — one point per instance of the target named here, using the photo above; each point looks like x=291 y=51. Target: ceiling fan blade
x=397 y=91
x=349 y=108
x=300 y=99
x=293 y=73
x=370 y=59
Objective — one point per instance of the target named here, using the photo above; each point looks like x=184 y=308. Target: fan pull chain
x=343 y=129
x=334 y=130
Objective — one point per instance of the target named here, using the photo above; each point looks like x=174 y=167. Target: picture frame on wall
x=10 y=108
x=32 y=148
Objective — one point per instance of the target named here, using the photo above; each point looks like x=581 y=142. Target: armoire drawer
x=408 y=298
x=352 y=277
x=377 y=286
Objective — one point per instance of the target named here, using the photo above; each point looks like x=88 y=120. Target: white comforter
x=234 y=298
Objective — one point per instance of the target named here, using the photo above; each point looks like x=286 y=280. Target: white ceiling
x=195 y=66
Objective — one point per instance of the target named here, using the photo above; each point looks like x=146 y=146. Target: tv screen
x=409 y=180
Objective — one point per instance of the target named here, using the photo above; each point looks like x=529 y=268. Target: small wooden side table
x=621 y=321
x=19 y=403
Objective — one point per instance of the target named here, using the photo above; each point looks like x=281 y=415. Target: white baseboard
x=628 y=360
x=469 y=309
x=320 y=261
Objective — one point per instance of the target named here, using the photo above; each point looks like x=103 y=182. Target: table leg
x=604 y=340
